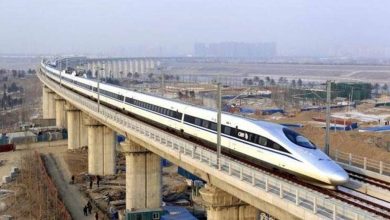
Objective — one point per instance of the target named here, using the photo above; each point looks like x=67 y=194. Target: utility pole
x=162 y=81
x=328 y=94
x=60 y=74
x=98 y=87
x=219 y=125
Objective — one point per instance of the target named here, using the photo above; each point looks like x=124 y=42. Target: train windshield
x=298 y=139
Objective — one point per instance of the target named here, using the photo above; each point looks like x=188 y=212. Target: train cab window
x=298 y=139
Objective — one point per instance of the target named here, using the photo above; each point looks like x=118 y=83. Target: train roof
x=261 y=123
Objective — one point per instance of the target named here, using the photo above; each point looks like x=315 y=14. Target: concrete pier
x=61 y=120
x=143 y=177
x=125 y=69
x=131 y=66
x=151 y=64
x=51 y=104
x=77 y=131
x=136 y=66
x=45 y=102
x=221 y=205
x=141 y=66
x=101 y=148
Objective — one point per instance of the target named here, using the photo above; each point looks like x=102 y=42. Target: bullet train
x=260 y=142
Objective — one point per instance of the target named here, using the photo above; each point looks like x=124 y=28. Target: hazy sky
x=112 y=27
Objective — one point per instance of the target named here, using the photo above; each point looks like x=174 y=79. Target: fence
x=364 y=163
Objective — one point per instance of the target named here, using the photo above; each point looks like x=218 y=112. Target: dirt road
x=70 y=194
x=57 y=169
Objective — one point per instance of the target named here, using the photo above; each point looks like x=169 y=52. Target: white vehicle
x=259 y=142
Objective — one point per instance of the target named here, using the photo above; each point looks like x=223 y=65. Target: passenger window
x=270 y=144
x=189 y=119
x=205 y=124
x=276 y=146
x=213 y=126
x=262 y=141
x=197 y=121
x=227 y=130
x=252 y=137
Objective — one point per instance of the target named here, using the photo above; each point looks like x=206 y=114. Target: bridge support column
x=45 y=102
x=77 y=131
x=60 y=112
x=131 y=66
x=221 y=205
x=101 y=148
x=136 y=66
x=51 y=104
x=141 y=66
x=151 y=64
x=143 y=177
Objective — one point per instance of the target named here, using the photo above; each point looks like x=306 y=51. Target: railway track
x=349 y=198
x=336 y=194
x=369 y=180
x=362 y=203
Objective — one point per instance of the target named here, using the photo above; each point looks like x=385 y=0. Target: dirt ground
x=58 y=170
x=174 y=186
x=372 y=145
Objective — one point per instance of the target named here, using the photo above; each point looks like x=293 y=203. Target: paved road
x=70 y=194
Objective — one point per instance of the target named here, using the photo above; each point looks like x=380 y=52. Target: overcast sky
x=119 y=27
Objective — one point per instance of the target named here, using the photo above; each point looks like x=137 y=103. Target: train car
x=259 y=142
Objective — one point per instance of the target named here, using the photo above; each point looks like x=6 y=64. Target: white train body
x=259 y=141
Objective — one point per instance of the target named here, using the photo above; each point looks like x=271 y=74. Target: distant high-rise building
x=235 y=50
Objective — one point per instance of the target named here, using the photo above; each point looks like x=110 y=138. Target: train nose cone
x=338 y=177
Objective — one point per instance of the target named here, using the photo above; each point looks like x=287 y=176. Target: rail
x=360 y=162
x=314 y=202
